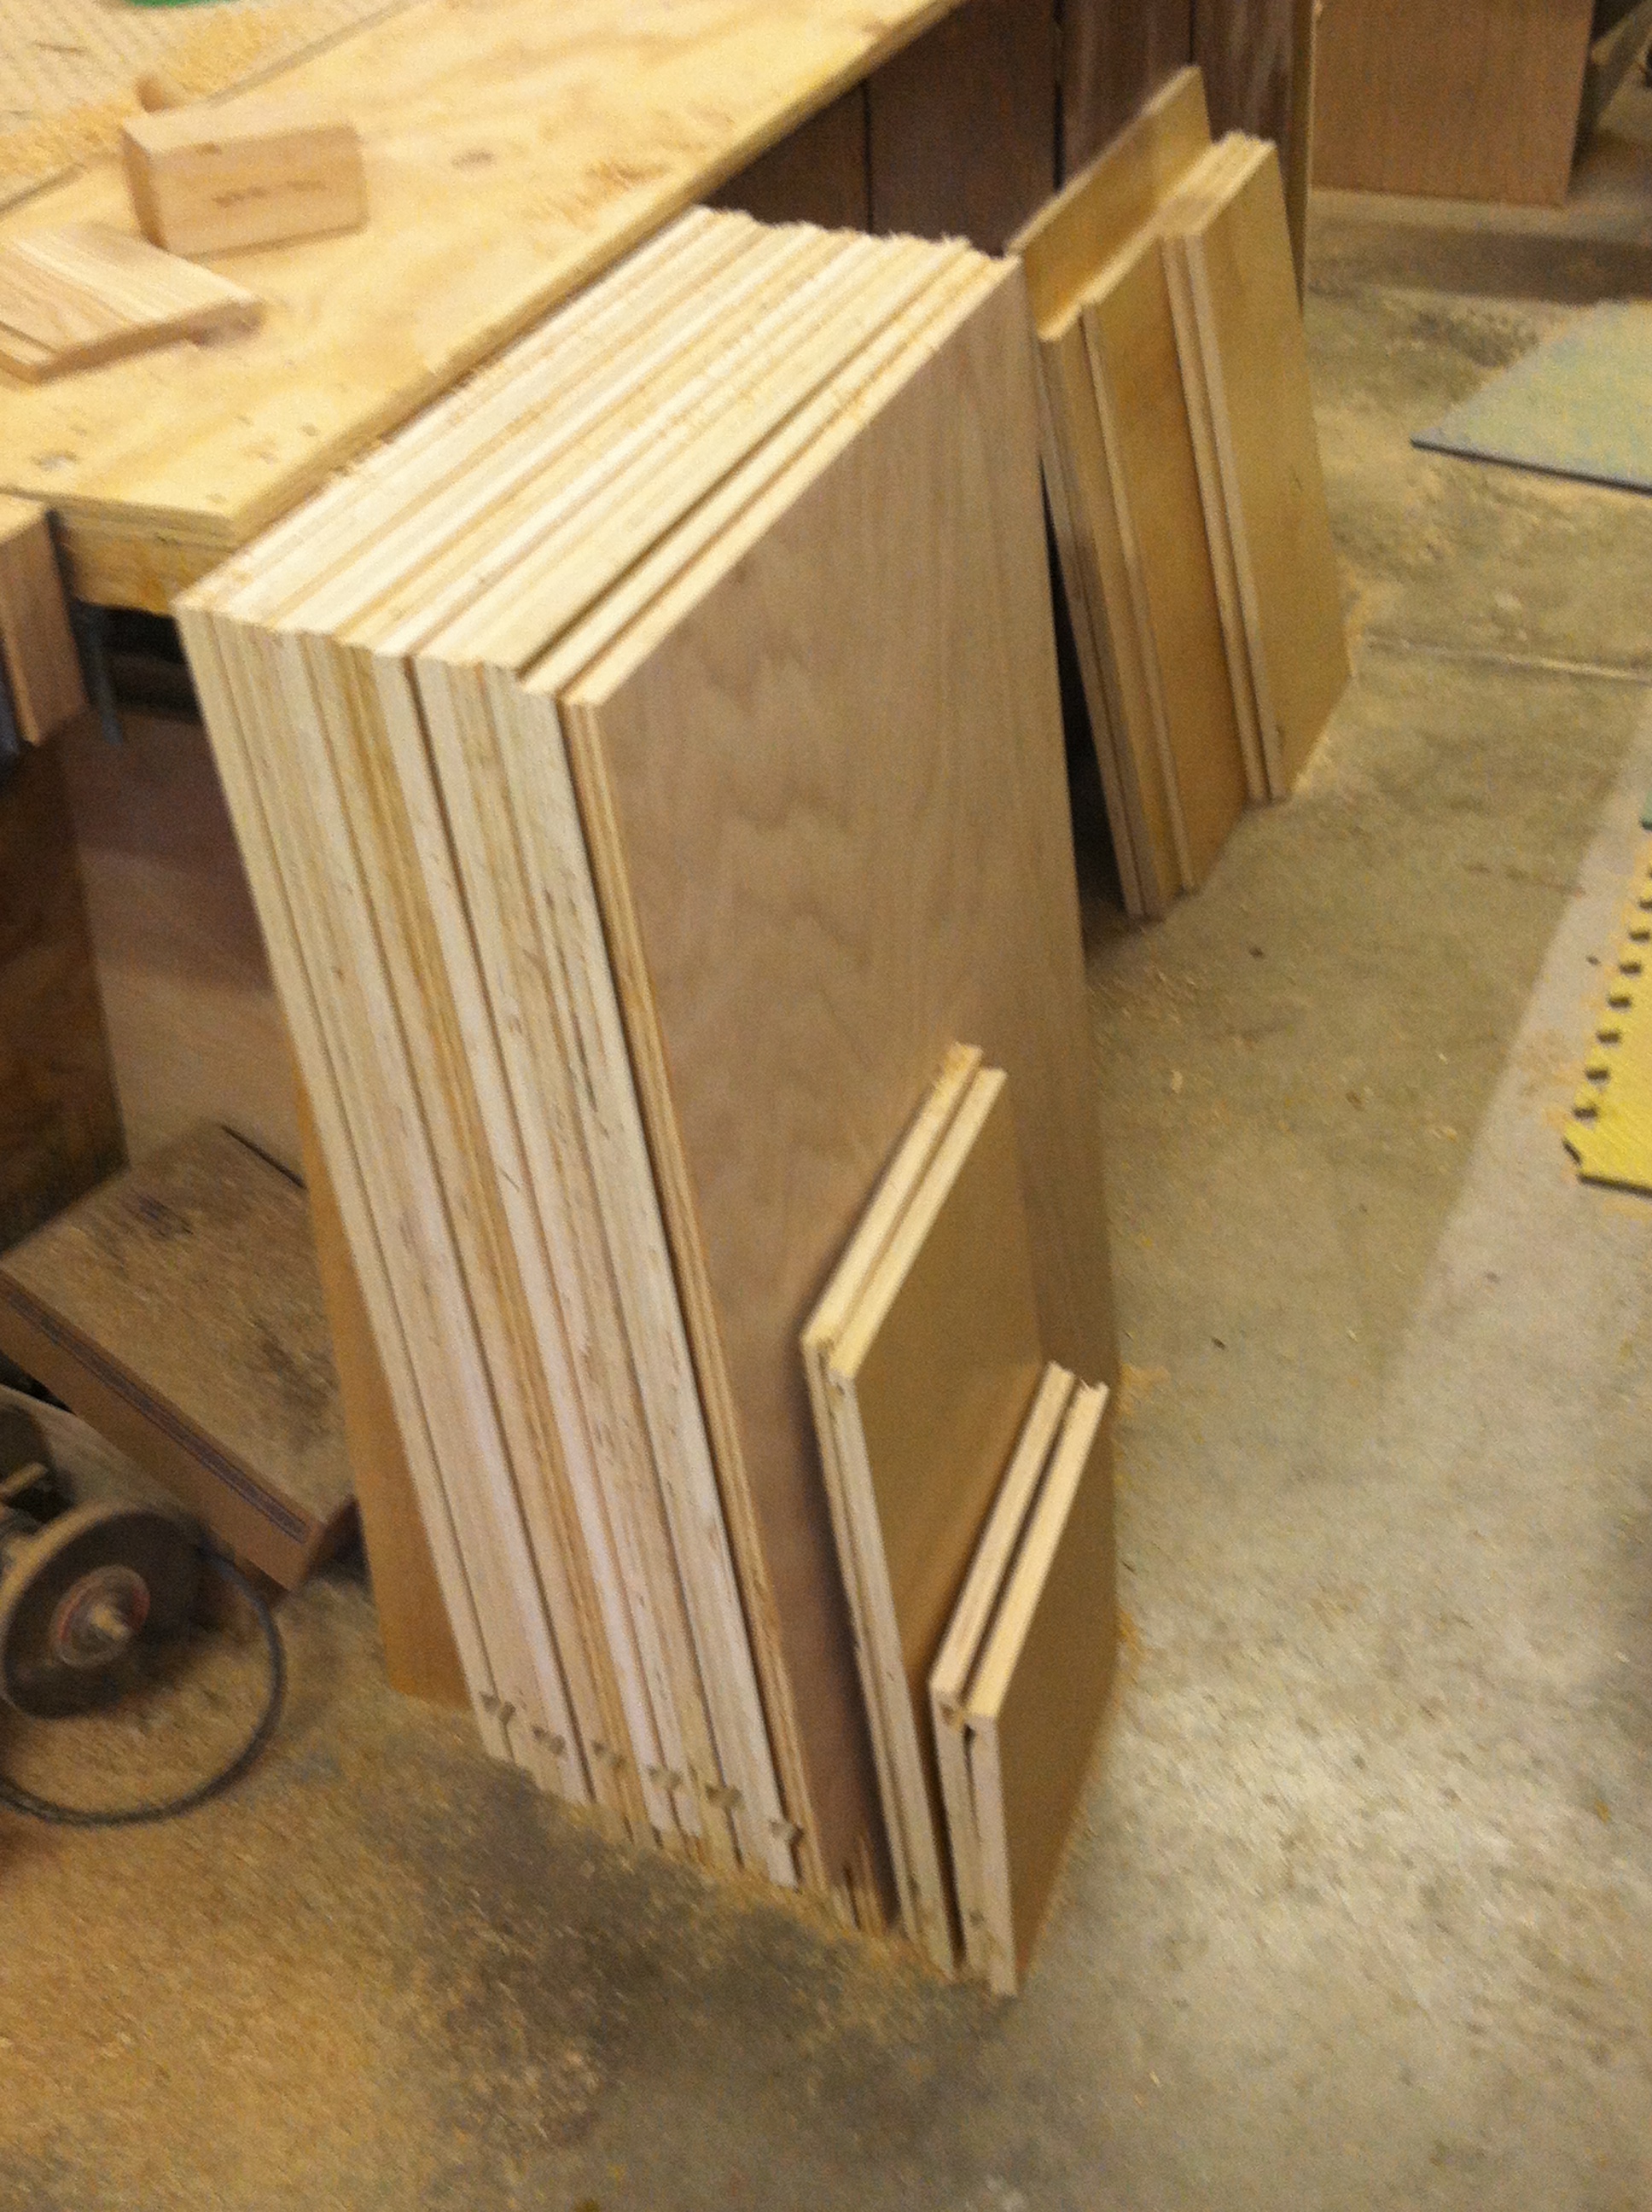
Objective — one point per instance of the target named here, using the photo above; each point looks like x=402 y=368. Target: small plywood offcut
x=929 y=1385
x=179 y=1309
x=1040 y=1688
x=1254 y=357
x=250 y=172
x=1609 y=1135
x=956 y=1660
x=72 y=298
x=42 y=671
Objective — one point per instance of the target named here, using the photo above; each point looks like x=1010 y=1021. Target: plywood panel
x=1476 y=101
x=1131 y=334
x=890 y=802
x=930 y=1383
x=1255 y=359
x=59 y=1124
x=963 y=125
x=1040 y=1690
x=1113 y=58
x=194 y=1032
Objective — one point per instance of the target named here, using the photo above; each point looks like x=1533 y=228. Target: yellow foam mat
x=1610 y=1134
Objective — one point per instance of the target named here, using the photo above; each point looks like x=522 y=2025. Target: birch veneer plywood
x=1255 y=361
x=510 y=155
x=1041 y=1686
x=881 y=606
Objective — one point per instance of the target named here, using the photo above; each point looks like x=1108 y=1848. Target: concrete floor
x=1360 y=1914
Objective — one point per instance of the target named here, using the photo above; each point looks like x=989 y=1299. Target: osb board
x=194 y=1030
x=961 y=141
x=891 y=800
x=1113 y=60
x=1256 y=358
x=1478 y=101
x=207 y=1234
x=59 y=1124
x=70 y=66
x=512 y=152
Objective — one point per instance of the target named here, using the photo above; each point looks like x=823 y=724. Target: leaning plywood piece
x=932 y=901
x=179 y=1309
x=1189 y=207
x=208 y=181
x=1040 y=1688
x=928 y=1386
x=71 y=297
x=877 y=1226
x=1172 y=602
x=1063 y=250
x=39 y=665
x=1255 y=365
x=955 y=1662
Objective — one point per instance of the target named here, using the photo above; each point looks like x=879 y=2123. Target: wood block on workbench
x=209 y=180
x=87 y=293
x=42 y=668
x=179 y=1309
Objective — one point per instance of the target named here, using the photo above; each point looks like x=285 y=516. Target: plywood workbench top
x=514 y=148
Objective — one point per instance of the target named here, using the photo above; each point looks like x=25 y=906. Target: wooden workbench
x=513 y=150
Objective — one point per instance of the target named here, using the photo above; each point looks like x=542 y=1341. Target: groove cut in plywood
x=1255 y=364
x=72 y=298
x=1039 y=1690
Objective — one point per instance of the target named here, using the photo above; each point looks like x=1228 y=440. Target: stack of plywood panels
x=972 y=1505
x=646 y=765
x=1182 y=468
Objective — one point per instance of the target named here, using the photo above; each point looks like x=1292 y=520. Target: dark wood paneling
x=1114 y=57
x=963 y=124
x=817 y=175
x=1246 y=49
x=59 y=1125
